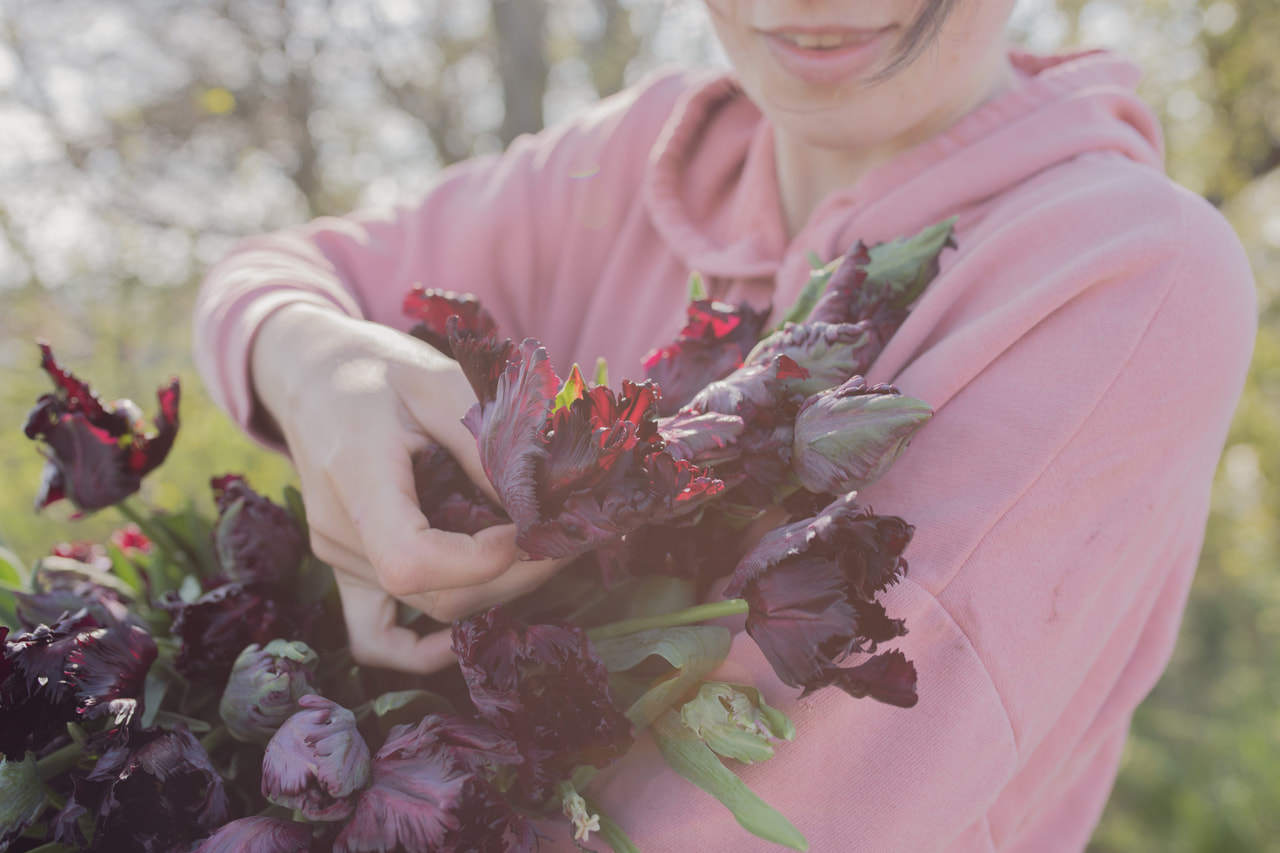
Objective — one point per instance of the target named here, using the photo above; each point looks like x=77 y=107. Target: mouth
x=825 y=39
x=827 y=54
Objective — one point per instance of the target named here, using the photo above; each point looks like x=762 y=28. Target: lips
x=826 y=55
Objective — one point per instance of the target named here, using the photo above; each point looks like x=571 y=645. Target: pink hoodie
x=1084 y=348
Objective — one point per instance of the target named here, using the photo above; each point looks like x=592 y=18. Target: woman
x=1083 y=349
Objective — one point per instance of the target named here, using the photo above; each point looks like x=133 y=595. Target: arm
x=297 y=336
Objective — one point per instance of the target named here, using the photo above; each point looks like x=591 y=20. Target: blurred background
x=139 y=138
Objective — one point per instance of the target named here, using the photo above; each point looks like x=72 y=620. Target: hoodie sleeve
x=1084 y=355
x=490 y=226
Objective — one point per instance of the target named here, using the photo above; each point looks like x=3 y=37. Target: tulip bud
x=735 y=721
x=22 y=797
x=847 y=437
x=316 y=761
x=256 y=540
x=264 y=688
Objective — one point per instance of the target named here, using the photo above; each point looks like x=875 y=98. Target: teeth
x=821 y=41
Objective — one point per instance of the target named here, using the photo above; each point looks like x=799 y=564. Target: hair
x=922 y=32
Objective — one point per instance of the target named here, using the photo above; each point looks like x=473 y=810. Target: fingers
x=376 y=639
x=521 y=579
x=449 y=432
x=448 y=605
x=407 y=554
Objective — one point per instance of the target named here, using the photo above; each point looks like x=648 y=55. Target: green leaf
x=694 y=650
x=407 y=707
x=907 y=265
x=9 y=610
x=388 y=702
x=108 y=579
x=124 y=568
x=610 y=831
x=297 y=509
x=199 y=540
x=571 y=390
x=156 y=686
x=12 y=570
x=697 y=287
x=809 y=296
x=694 y=761
x=168 y=719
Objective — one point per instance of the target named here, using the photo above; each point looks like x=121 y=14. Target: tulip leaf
x=12 y=570
x=407 y=707
x=124 y=568
x=694 y=761
x=168 y=719
x=572 y=389
x=697 y=287
x=297 y=509
x=809 y=295
x=388 y=702
x=906 y=265
x=693 y=650
x=86 y=571
x=152 y=696
x=610 y=831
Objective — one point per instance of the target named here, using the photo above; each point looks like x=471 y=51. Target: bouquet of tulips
x=187 y=686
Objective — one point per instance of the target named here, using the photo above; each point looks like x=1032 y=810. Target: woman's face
x=810 y=66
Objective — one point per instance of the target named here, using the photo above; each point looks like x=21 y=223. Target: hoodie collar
x=711 y=187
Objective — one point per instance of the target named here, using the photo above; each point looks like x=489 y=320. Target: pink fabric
x=1084 y=348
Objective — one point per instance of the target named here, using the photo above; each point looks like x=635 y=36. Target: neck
x=807 y=173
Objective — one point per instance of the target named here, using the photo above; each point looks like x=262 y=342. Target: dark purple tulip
x=429 y=792
x=810 y=586
x=546 y=688
x=216 y=627
x=96 y=454
x=57 y=592
x=258 y=835
x=830 y=352
x=574 y=469
x=448 y=498
x=157 y=794
x=433 y=308
x=78 y=668
x=847 y=437
x=317 y=761
x=713 y=343
x=256 y=539
x=763 y=396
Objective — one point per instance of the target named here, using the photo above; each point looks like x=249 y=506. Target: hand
x=354 y=401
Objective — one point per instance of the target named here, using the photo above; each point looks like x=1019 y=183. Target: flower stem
x=688 y=616
x=59 y=761
x=214 y=739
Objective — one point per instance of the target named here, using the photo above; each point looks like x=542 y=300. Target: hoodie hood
x=712 y=192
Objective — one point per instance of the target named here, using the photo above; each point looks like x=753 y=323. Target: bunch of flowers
x=187 y=686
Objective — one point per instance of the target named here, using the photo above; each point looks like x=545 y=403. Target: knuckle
x=398 y=576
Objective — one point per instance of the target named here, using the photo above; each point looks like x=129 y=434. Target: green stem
x=52 y=847
x=214 y=739
x=688 y=616
x=59 y=761
x=154 y=531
